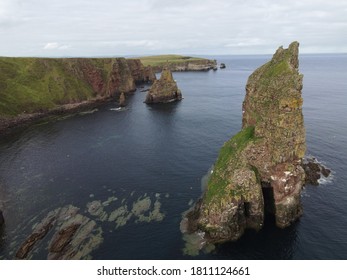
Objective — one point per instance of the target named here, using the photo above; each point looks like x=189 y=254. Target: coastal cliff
x=164 y=90
x=30 y=87
x=259 y=169
x=178 y=63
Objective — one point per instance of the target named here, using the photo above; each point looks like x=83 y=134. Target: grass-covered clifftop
x=29 y=85
x=39 y=85
x=178 y=62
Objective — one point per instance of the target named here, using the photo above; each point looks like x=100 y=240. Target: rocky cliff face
x=259 y=169
x=140 y=73
x=178 y=63
x=164 y=90
x=194 y=65
x=38 y=85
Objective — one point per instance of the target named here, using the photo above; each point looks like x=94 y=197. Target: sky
x=66 y=28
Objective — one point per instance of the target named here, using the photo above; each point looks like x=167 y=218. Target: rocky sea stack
x=164 y=90
x=259 y=169
x=121 y=100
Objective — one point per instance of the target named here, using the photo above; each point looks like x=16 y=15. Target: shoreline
x=7 y=125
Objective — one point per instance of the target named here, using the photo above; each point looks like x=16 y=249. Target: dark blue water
x=166 y=150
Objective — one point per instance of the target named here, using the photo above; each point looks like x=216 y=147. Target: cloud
x=118 y=27
x=55 y=46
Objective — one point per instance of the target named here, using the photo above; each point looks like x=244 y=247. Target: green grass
x=228 y=155
x=34 y=84
x=160 y=60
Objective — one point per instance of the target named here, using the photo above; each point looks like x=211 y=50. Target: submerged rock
x=141 y=206
x=39 y=232
x=74 y=236
x=96 y=208
x=259 y=169
x=164 y=90
x=65 y=233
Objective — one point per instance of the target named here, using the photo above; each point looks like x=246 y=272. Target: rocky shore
x=25 y=119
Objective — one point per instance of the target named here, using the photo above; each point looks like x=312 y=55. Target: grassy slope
x=159 y=60
x=228 y=156
x=31 y=85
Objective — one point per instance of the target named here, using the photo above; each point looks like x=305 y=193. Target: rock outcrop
x=222 y=66
x=259 y=169
x=32 y=87
x=69 y=232
x=164 y=90
x=75 y=236
x=314 y=171
x=141 y=74
x=122 y=100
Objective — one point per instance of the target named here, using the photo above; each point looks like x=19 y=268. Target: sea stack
x=122 y=100
x=164 y=90
x=259 y=169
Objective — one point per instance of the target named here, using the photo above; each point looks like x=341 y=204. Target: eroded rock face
x=264 y=157
x=141 y=74
x=164 y=90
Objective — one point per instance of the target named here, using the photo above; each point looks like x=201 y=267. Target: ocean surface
x=161 y=153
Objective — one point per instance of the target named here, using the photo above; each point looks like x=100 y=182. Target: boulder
x=314 y=171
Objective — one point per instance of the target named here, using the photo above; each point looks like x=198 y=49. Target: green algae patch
x=228 y=157
x=141 y=206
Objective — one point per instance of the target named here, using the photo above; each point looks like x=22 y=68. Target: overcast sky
x=137 y=27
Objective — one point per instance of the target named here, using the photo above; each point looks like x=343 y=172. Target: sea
x=160 y=154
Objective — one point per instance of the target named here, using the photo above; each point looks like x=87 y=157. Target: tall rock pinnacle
x=259 y=169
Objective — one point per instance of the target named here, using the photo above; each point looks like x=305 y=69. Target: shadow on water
x=2 y=237
x=269 y=243
x=168 y=108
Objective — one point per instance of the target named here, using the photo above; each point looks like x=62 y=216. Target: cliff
x=259 y=169
x=141 y=73
x=164 y=90
x=178 y=63
x=37 y=85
